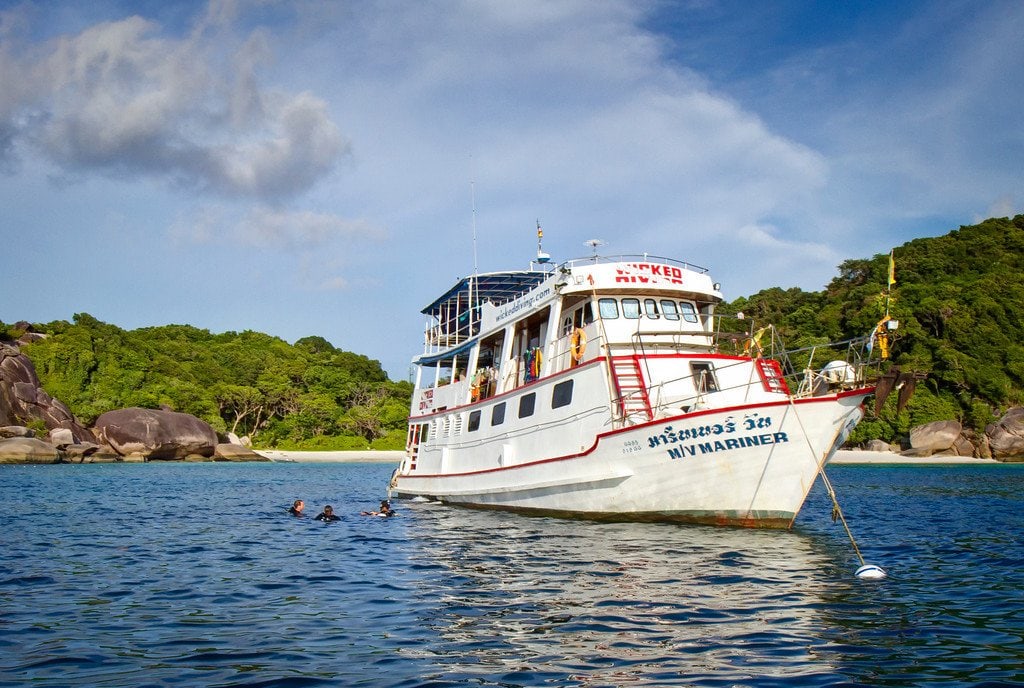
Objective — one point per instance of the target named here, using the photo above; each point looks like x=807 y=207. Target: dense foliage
x=957 y=298
x=306 y=395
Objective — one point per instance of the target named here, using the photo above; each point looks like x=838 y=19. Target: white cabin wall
x=505 y=360
x=549 y=336
x=471 y=364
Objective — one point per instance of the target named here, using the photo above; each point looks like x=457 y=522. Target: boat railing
x=634 y=258
x=813 y=370
x=810 y=369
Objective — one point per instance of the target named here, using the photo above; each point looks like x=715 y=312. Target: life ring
x=577 y=344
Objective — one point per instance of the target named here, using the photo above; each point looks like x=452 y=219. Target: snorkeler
x=385 y=510
x=328 y=515
x=296 y=508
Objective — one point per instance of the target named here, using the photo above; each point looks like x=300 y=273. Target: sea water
x=166 y=574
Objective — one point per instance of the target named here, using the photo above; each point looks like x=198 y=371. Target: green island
x=957 y=298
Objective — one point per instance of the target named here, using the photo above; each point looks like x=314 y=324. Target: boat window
x=704 y=377
x=609 y=309
x=498 y=414
x=527 y=404
x=424 y=432
x=688 y=311
x=489 y=351
x=651 y=308
x=474 y=421
x=631 y=308
x=562 y=394
x=669 y=310
x=585 y=315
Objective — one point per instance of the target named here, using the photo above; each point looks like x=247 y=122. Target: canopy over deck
x=496 y=287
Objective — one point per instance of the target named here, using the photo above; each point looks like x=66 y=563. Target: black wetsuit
x=327 y=517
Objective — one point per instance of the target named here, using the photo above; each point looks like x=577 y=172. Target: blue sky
x=309 y=168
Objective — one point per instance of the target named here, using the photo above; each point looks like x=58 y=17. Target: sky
x=319 y=168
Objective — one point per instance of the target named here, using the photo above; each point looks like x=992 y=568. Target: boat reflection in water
x=529 y=601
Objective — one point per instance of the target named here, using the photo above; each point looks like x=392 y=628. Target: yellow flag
x=892 y=268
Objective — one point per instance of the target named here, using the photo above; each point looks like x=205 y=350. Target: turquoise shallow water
x=193 y=574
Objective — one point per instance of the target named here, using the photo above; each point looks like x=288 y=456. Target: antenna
x=594 y=244
x=472 y=202
x=541 y=256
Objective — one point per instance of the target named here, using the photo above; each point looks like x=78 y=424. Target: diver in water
x=328 y=515
x=296 y=508
x=385 y=510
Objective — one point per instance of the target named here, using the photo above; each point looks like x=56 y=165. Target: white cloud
x=124 y=100
x=303 y=229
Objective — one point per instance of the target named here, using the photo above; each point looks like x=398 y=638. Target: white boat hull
x=747 y=465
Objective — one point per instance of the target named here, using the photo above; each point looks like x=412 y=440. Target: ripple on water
x=186 y=574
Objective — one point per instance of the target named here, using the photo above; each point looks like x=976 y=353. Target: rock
x=878 y=446
x=236 y=452
x=919 y=453
x=983 y=450
x=964 y=446
x=30 y=337
x=23 y=399
x=61 y=437
x=934 y=437
x=142 y=434
x=80 y=452
x=27 y=450
x=1006 y=436
x=15 y=431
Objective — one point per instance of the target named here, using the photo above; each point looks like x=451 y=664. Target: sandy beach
x=850 y=456
x=845 y=456
x=332 y=456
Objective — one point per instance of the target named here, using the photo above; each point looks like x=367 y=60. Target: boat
x=609 y=388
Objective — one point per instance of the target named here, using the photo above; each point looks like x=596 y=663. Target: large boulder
x=27 y=450
x=23 y=399
x=229 y=451
x=932 y=438
x=155 y=434
x=1006 y=436
x=878 y=446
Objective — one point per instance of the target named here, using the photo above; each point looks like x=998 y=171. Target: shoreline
x=368 y=456
x=858 y=456
x=842 y=457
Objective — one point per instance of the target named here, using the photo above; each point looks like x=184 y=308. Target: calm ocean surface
x=194 y=575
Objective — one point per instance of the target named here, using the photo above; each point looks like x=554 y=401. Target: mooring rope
x=837 y=511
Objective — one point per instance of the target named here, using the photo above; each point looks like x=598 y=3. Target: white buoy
x=871 y=572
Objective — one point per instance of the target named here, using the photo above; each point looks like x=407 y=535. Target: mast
x=476 y=271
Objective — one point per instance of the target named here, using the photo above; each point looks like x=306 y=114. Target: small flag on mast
x=892 y=268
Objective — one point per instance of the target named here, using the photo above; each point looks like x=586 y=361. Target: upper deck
x=479 y=303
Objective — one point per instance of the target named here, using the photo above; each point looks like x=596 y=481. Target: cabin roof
x=496 y=287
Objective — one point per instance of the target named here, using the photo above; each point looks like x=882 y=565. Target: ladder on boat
x=630 y=388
